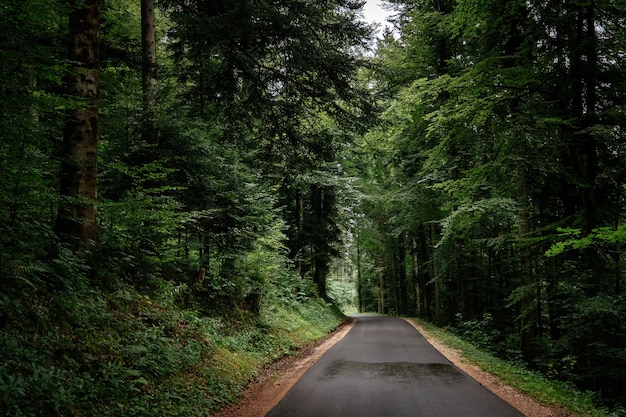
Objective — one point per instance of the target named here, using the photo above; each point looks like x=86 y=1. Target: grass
x=244 y=348
x=548 y=392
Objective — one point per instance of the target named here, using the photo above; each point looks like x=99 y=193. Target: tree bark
x=433 y=240
x=320 y=255
x=381 y=290
x=359 y=277
x=401 y=271
x=415 y=278
x=527 y=324
x=299 y=231
x=391 y=253
x=76 y=219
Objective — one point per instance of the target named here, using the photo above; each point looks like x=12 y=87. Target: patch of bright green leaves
x=574 y=240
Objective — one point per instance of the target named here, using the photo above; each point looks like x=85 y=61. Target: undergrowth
x=85 y=351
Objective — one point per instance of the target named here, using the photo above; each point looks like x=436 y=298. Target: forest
x=186 y=184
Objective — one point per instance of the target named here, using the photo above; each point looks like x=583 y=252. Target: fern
x=28 y=274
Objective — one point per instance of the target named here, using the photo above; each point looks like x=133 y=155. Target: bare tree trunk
x=381 y=291
x=401 y=270
x=415 y=275
x=433 y=238
x=527 y=305
x=76 y=218
x=300 y=231
x=391 y=252
x=320 y=257
x=359 y=277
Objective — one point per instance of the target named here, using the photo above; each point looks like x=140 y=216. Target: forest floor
x=273 y=382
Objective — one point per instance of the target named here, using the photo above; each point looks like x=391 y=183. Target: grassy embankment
x=91 y=352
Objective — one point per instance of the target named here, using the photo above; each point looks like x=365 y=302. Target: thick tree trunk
x=76 y=219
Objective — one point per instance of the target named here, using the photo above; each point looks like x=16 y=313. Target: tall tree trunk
x=149 y=69
x=587 y=158
x=76 y=218
x=462 y=276
x=381 y=290
x=359 y=277
x=433 y=241
x=401 y=270
x=299 y=231
x=527 y=305
x=415 y=278
x=427 y=275
x=319 y=254
x=391 y=253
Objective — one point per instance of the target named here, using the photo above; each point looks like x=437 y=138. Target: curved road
x=385 y=368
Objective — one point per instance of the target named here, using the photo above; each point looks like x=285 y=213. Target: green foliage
x=480 y=332
x=213 y=238
x=122 y=352
x=575 y=241
x=490 y=137
x=131 y=327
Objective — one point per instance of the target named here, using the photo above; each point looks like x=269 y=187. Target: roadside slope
x=271 y=385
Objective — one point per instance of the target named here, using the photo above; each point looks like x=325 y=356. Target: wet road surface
x=385 y=368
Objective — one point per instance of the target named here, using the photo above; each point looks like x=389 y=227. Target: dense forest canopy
x=216 y=157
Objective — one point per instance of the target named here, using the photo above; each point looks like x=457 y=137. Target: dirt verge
x=273 y=382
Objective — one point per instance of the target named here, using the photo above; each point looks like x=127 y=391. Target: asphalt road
x=385 y=368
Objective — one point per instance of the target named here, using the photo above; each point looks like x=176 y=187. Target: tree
x=278 y=78
x=499 y=131
x=77 y=222
x=148 y=71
